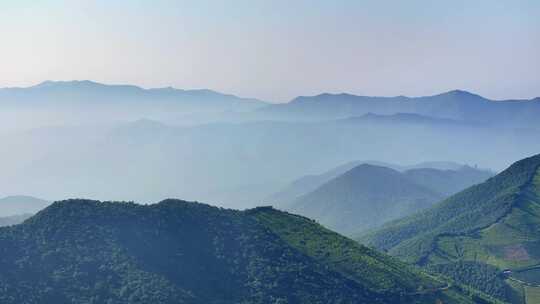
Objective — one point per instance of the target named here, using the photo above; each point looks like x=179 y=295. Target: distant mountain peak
x=460 y=94
x=20 y=204
x=21 y=197
x=45 y=83
x=94 y=84
x=323 y=96
x=364 y=197
x=336 y=95
x=82 y=84
x=89 y=85
x=367 y=168
x=52 y=83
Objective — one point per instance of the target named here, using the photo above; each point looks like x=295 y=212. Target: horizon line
x=335 y=94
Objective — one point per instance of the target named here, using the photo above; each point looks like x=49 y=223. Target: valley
x=270 y=152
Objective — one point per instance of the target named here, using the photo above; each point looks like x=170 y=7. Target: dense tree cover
x=477 y=207
x=478 y=275
x=495 y=223
x=370 y=268
x=82 y=251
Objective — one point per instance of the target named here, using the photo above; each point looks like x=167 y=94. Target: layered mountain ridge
x=494 y=224
x=81 y=251
x=456 y=105
x=367 y=196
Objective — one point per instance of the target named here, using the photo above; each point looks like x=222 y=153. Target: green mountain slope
x=496 y=223
x=364 y=197
x=444 y=177
x=375 y=271
x=448 y=182
x=83 y=251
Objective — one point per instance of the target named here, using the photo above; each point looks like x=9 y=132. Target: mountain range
x=91 y=93
x=454 y=105
x=367 y=196
x=81 y=251
x=308 y=183
x=105 y=102
x=235 y=165
x=486 y=236
x=235 y=158
x=88 y=102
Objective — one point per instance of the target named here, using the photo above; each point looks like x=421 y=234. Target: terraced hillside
x=495 y=225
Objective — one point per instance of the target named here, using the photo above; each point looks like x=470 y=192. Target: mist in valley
x=84 y=139
x=270 y=152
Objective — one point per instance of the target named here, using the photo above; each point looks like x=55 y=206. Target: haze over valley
x=234 y=158
x=270 y=152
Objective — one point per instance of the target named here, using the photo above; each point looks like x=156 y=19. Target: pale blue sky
x=276 y=50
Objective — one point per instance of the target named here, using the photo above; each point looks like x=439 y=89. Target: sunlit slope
x=496 y=223
x=81 y=251
x=375 y=271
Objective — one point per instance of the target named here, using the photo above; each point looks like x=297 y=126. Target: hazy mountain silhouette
x=448 y=182
x=364 y=197
x=75 y=92
x=164 y=149
x=241 y=164
x=18 y=205
x=455 y=105
x=13 y=219
x=445 y=178
x=88 y=102
x=309 y=183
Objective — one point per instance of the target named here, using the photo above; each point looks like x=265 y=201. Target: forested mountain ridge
x=81 y=251
x=367 y=196
x=495 y=224
x=364 y=197
x=439 y=169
